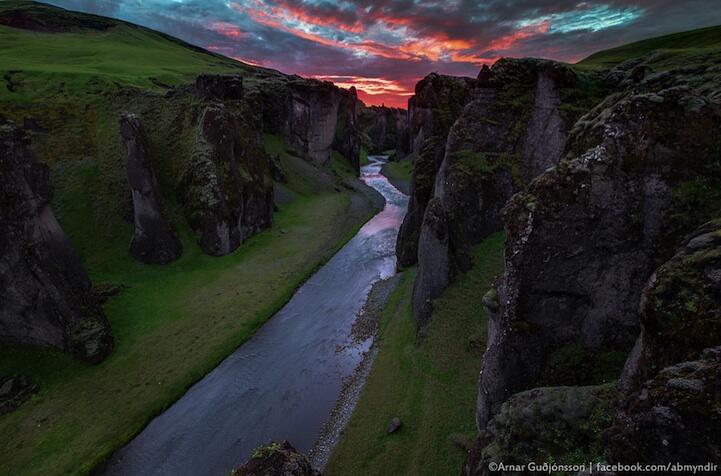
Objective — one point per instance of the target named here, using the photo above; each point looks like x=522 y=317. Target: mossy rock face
x=438 y=102
x=548 y=424
x=509 y=132
x=45 y=294
x=276 y=459
x=347 y=138
x=226 y=190
x=584 y=237
x=680 y=308
x=673 y=417
x=572 y=364
x=386 y=129
x=91 y=340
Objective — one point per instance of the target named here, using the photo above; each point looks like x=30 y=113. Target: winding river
x=284 y=382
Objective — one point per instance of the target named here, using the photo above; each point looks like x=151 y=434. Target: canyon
x=195 y=249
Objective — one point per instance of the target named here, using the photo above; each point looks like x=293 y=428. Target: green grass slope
x=670 y=47
x=430 y=387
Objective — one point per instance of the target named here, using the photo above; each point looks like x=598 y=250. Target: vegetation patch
x=573 y=365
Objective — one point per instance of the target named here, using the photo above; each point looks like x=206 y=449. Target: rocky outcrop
x=680 y=309
x=276 y=459
x=347 y=135
x=438 y=101
x=154 y=240
x=219 y=87
x=14 y=391
x=560 y=424
x=670 y=390
x=45 y=294
x=584 y=238
x=226 y=190
x=313 y=119
x=385 y=128
x=510 y=132
x=675 y=417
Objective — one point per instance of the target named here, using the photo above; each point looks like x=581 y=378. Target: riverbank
x=430 y=387
x=365 y=327
x=173 y=324
x=399 y=174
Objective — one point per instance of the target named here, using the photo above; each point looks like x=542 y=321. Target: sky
x=383 y=47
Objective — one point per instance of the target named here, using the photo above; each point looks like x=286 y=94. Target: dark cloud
x=396 y=42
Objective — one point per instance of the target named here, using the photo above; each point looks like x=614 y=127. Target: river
x=282 y=383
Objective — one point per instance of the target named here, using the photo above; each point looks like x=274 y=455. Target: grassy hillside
x=671 y=48
x=431 y=387
x=82 y=55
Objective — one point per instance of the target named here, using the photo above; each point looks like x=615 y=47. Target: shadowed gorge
x=434 y=241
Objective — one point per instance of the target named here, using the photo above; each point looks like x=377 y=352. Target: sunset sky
x=384 y=47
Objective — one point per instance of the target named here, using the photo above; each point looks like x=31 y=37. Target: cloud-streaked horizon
x=383 y=47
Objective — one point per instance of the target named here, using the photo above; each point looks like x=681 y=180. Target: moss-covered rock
x=14 y=391
x=510 y=132
x=545 y=425
x=674 y=417
x=680 y=308
x=154 y=239
x=276 y=459
x=226 y=190
x=386 y=128
x=438 y=102
x=46 y=297
x=584 y=238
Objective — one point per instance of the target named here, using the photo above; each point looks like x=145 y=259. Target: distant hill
x=59 y=44
x=670 y=48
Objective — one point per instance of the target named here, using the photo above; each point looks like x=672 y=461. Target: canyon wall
x=197 y=148
x=385 y=128
x=509 y=132
x=437 y=103
x=598 y=256
x=583 y=238
x=46 y=297
x=314 y=117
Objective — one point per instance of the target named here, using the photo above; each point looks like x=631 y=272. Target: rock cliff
x=669 y=391
x=347 y=139
x=276 y=459
x=226 y=189
x=584 y=237
x=508 y=133
x=313 y=116
x=437 y=103
x=385 y=128
x=154 y=239
x=45 y=295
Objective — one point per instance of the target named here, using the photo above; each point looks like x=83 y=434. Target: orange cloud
x=227 y=29
x=373 y=91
